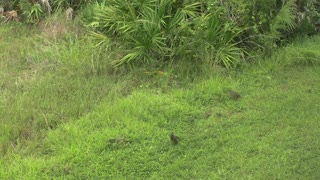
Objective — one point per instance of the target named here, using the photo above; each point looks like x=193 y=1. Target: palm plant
x=35 y=13
x=282 y=23
x=284 y=20
x=32 y=12
x=161 y=30
x=150 y=30
x=215 y=39
x=265 y=21
x=143 y=30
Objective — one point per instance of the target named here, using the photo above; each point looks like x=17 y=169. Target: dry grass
x=58 y=27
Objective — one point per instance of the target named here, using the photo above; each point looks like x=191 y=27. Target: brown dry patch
x=24 y=77
x=58 y=29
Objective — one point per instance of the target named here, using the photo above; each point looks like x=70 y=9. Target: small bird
x=234 y=95
x=174 y=139
x=218 y=114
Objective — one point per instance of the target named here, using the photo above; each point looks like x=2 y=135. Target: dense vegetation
x=97 y=95
x=222 y=32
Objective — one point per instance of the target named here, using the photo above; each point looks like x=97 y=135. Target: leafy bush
x=33 y=10
x=266 y=22
x=222 y=32
x=8 y=4
x=219 y=31
x=215 y=40
x=163 y=30
x=308 y=14
x=33 y=13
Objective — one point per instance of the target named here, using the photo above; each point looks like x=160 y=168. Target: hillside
x=65 y=115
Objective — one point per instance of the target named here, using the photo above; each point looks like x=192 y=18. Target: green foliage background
x=97 y=96
x=223 y=32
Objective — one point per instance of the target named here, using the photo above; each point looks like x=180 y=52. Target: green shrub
x=33 y=13
x=160 y=31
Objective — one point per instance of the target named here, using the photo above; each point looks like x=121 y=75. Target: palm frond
x=285 y=19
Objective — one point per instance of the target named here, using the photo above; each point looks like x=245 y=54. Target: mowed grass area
x=75 y=119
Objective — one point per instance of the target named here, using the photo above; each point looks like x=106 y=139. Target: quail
x=174 y=139
x=234 y=95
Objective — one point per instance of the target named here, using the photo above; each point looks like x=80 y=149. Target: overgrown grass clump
x=67 y=114
x=47 y=82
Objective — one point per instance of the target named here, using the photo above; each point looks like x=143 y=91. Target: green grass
x=77 y=119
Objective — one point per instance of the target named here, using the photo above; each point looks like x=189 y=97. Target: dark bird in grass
x=234 y=95
x=174 y=139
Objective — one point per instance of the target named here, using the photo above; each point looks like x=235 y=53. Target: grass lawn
x=74 y=124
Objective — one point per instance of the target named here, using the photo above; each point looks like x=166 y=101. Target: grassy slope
x=271 y=132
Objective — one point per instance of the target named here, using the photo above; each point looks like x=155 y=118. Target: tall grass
x=66 y=114
x=271 y=131
x=45 y=83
